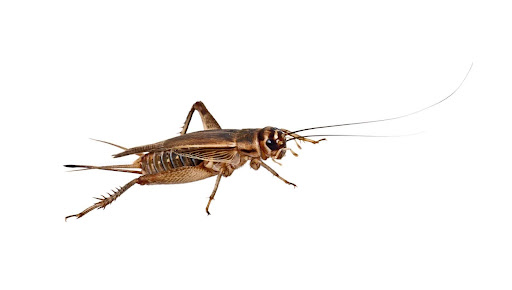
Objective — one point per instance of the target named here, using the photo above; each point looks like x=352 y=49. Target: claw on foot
x=66 y=218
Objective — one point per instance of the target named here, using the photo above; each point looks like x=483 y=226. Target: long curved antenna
x=350 y=135
x=389 y=119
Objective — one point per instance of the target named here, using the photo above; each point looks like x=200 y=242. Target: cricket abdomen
x=162 y=161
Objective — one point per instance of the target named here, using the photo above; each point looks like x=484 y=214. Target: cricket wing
x=224 y=155
x=209 y=139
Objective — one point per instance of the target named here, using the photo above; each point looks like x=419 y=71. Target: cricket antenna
x=351 y=135
x=389 y=119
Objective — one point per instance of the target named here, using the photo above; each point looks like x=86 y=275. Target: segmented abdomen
x=156 y=162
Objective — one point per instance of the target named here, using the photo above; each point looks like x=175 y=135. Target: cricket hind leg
x=209 y=122
x=105 y=200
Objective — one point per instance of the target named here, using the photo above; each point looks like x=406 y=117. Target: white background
x=429 y=211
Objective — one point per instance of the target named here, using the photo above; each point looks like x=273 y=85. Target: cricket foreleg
x=105 y=200
x=255 y=164
x=214 y=191
x=209 y=123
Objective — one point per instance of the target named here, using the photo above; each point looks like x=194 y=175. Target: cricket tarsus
x=105 y=200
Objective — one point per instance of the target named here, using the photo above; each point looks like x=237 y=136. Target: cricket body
x=199 y=155
x=216 y=152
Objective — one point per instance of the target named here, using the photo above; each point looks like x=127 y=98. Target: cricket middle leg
x=214 y=191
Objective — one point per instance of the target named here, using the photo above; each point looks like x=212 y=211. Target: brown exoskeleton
x=213 y=152
x=199 y=155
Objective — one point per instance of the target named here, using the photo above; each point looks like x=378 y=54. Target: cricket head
x=272 y=142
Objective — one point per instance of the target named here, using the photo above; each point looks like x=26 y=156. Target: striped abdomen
x=156 y=162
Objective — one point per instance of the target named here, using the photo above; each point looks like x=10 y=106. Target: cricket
x=214 y=151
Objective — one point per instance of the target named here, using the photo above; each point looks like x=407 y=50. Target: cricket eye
x=271 y=144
